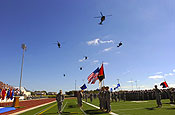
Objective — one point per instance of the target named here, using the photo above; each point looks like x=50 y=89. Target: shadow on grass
x=64 y=113
x=170 y=108
x=166 y=103
x=93 y=112
x=152 y=108
x=72 y=106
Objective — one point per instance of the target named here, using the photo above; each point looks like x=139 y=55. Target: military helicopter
x=81 y=68
x=102 y=18
x=85 y=57
x=58 y=44
x=120 y=44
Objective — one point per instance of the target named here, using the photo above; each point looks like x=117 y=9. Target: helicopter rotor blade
x=98 y=17
x=101 y=13
x=108 y=15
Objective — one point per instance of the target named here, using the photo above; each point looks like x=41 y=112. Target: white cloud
x=93 y=42
x=105 y=63
x=155 y=77
x=171 y=85
x=130 y=81
x=169 y=74
x=107 y=49
x=109 y=41
x=98 y=41
x=158 y=73
x=173 y=70
x=166 y=74
x=95 y=61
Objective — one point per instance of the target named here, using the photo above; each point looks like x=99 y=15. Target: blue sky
x=146 y=28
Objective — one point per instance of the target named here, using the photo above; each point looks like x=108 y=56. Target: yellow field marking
x=47 y=109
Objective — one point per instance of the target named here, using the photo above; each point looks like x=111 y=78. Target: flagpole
x=118 y=82
x=103 y=83
x=103 y=71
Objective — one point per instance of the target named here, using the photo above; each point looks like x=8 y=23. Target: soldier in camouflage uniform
x=59 y=99
x=158 y=96
x=107 y=99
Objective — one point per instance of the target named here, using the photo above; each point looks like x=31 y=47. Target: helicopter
x=81 y=68
x=58 y=44
x=102 y=18
x=85 y=57
x=120 y=44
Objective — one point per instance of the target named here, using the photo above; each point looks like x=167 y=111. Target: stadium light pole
x=23 y=46
x=136 y=84
x=75 y=85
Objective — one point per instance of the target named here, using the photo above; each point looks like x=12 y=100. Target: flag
x=118 y=85
x=8 y=94
x=11 y=94
x=111 y=89
x=101 y=74
x=3 y=94
x=164 y=84
x=95 y=78
x=83 y=87
x=91 y=76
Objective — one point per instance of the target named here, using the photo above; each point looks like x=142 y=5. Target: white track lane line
x=98 y=107
x=83 y=111
x=19 y=112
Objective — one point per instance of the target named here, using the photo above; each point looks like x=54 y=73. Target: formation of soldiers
x=105 y=96
x=104 y=99
x=140 y=95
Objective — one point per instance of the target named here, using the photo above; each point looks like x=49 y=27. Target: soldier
x=173 y=94
x=95 y=95
x=79 y=98
x=91 y=97
x=119 y=96
x=158 y=96
x=59 y=99
x=112 y=96
x=115 y=96
x=86 y=97
x=100 y=98
x=107 y=100
x=124 y=96
x=170 y=95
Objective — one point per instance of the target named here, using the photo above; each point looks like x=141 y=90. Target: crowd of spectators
x=8 y=91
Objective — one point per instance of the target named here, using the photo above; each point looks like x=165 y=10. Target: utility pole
x=132 y=84
x=118 y=81
x=24 y=49
x=136 y=84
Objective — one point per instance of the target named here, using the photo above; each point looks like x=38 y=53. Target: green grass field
x=121 y=108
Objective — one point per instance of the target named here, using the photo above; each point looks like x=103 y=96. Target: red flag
x=164 y=84
x=101 y=74
x=3 y=94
